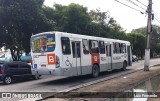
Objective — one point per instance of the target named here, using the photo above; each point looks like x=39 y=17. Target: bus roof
x=81 y=36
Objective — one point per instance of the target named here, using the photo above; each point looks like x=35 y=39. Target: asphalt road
x=55 y=84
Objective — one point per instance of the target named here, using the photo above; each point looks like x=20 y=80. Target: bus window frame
x=69 y=53
x=87 y=51
x=96 y=48
x=99 y=44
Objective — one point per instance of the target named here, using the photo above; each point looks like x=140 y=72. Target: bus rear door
x=76 y=61
x=109 y=56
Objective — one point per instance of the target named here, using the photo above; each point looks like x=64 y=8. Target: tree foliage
x=19 y=20
x=73 y=18
x=137 y=42
x=154 y=38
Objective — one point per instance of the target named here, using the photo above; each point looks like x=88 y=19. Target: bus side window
x=73 y=49
x=102 y=47
x=114 y=48
x=85 y=46
x=93 y=46
x=78 y=50
x=66 y=50
x=108 y=50
x=121 y=48
x=118 y=48
x=124 y=48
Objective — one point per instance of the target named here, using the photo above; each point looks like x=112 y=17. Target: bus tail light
x=57 y=62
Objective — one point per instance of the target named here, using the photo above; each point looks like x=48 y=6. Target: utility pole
x=147 y=49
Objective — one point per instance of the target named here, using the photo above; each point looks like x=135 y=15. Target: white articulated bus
x=66 y=54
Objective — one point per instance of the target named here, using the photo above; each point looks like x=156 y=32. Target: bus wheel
x=36 y=76
x=124 y=66
x=95 y=71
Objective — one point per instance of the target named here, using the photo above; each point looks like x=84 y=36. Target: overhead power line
x=141 y=3
x=156 y=19
x=136 y=4
x=156 y=14
x=130 y=6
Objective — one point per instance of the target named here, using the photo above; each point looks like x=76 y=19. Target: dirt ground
x=118 y=84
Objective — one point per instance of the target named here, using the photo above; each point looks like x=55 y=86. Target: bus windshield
x=43 y=43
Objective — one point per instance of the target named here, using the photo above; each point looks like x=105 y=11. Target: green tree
x=138 y=43
x=108 y=27
x=19 y=20
x=154 y=38
x=73 y=18
x=141 y=30
x=99 y=17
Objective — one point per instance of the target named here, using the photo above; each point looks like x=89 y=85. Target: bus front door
x=129 y=52
x=76 y=61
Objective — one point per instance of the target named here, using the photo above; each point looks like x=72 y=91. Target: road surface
x=55 y=84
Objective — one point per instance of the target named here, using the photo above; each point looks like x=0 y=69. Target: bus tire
x=36 y=76
x=95 y=71
x=124 y=65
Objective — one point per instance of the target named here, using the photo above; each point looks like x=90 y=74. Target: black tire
x=95 y=71
x=36 y=77
x=7 y=80
x=124 y=66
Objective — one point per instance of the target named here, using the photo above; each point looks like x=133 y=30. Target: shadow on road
x=81 y=79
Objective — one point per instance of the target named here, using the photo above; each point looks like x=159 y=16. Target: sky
x=128 y=18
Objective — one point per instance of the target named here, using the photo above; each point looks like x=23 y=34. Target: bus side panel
x=117 y=61
x=86 y=64
x=103 y=62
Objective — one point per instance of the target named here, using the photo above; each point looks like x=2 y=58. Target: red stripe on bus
x=95 y=58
